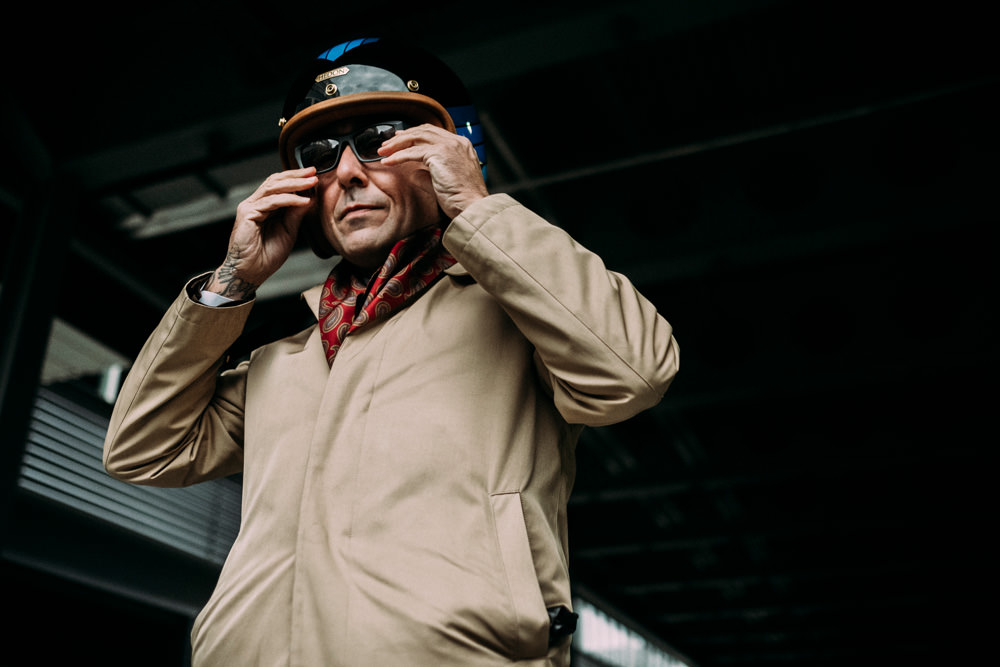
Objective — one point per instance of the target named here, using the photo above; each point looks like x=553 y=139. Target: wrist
x=458 y=205
x=225 y=281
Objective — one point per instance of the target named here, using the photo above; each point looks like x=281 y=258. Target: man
x=407 y=460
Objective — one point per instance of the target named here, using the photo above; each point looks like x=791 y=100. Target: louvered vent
x=62 y=463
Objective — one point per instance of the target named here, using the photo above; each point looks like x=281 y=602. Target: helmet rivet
x=331 y=89
x=281 y=122
x=413 y=86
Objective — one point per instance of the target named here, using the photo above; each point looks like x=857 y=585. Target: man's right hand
x=267 y=224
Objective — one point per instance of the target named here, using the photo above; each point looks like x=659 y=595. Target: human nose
x=350 y=170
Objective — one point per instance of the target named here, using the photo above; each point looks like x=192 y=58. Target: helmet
x=376 y=77
x=373 y=77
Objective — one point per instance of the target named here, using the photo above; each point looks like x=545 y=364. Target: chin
x=368 y=256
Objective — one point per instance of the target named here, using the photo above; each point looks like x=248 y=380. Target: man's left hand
x=456 y=174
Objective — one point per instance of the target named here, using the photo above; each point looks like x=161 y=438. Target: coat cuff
x=467 y=224
x=226 y=321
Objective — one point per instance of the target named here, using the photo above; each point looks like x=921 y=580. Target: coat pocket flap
x=530 y=616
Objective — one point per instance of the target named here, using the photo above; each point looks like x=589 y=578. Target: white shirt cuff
x=212 y=299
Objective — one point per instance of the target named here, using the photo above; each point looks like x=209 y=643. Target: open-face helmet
x=379 y=79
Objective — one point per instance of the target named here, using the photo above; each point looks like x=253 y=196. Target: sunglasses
x=324 y=154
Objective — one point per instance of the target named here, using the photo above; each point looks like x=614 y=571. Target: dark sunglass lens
x=321 y=154
x=370 y=139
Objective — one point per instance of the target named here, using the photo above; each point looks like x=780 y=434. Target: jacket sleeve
x=177 y=421
x=601 y=347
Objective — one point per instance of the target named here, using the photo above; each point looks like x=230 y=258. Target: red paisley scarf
x=413 y=264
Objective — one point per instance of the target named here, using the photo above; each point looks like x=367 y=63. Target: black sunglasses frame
x=347 y=140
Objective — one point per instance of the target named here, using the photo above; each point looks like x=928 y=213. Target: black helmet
x=376 y=77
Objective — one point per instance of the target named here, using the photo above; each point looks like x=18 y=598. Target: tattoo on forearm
x=234 y=287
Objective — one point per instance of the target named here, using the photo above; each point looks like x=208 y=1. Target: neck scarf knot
x=348 y=304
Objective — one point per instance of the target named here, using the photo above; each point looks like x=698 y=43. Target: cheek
x=325 y=199
x=322 y=212
x=423 y=198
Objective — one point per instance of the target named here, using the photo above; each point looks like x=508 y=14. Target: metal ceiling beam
x=779 y=578
x=763 y=476
x=721 y=533
x=761 y=612
x=742 y=138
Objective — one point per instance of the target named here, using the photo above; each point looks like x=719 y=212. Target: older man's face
x=366 y=207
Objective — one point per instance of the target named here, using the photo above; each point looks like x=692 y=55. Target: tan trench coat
x=407 y=506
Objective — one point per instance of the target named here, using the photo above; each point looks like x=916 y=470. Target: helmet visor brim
x=411 y=107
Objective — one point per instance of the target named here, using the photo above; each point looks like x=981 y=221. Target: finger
x=422 y=134
x=461 y=162
x=288 y=181
x=404 y=153
x=277 y=202
x=258 y=211
x=292 y=219
x=304 y=172
x=451 y=149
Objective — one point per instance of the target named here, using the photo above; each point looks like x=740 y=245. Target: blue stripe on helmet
x=466 y=121
x=464 y=114
x=473 y=133
x=467 y=125
x=335 y=52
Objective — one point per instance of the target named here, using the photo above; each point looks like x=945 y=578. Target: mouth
x=357 y=209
